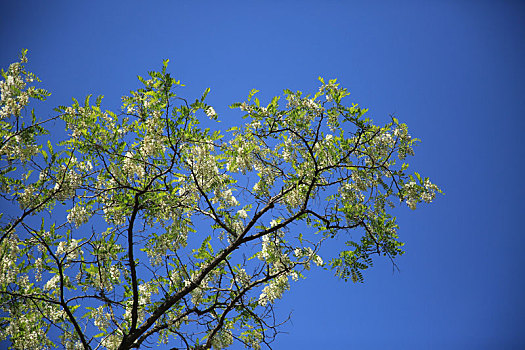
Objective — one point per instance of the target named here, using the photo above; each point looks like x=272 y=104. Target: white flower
x=210 y=112
x=242 y=214
x=238 y=227
x=318 y=260
x=222 y=339
x=274 y=290
x=100 y=318
x=242 y=277
x=78 y=215
x=61 y=248
x=114 y=272
x=52 y=283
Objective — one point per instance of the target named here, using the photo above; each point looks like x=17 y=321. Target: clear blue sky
x=452 y=70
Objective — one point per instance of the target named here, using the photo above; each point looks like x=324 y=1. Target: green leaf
x=252 y=92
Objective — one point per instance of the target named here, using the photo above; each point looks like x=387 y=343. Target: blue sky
x=452 y=70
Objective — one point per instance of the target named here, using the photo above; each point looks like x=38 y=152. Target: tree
x=141 y=226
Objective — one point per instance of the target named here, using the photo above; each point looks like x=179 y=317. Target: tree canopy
x=143 y=227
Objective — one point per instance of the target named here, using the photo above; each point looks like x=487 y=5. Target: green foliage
x=173 y=233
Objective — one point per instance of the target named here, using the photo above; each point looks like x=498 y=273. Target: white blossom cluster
x=222 y=339
x=113 y=213
x=114 y=274
x=68 y=181
x=274 y=290
x=271 y=249
x=85 y=167
x=204 y=166
x=13 y=95
x=243 y=159
x=415 y=193
x=297 y=102
x=16 y=148
x=360 y=181
x=71 y=344
x=242 y=214
x=238 y=227
x=210 y=112
x=327 y=151
x=242 y=278
x=112 y=341
x=145 y=292
x=296 y=197
x=77 y=120
x=39 y=267
x=153 y=142
x=288 y=153
x=100 y=318
x=70 y=249
x=401 y=133
x=8 y=261
x=254 y=339
x=54 y=312
x=387 y=139
x=27 y=197
x=272 y=253
x=267 y=176
x=106 y=278
x=351 y=192
x=310 y=255
x=53 y=283
x=333 y=120
x=197 y=294
x=328 y=88
x=28 y=324
x=380 y=148
x=79 y=215
x=133 y=167
x=225 y=197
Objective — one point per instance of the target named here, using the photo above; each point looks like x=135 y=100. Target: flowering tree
x=142 y=227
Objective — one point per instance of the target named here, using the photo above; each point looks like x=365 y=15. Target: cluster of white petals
x=153 y=142
x=100 y=317
x=222 y=339
x=133 y=167
x=310 y=255
x=242 y=214
x=111 y=341
x=14 y=96
x=8 y=261
x=78 y=215
x=52 y=283
x=33 y=337
x=274 y=290
x=415 y=193
x=242 y=278
x=226 y=197
x=69 y=248
x=210 y=112
x=67 y=183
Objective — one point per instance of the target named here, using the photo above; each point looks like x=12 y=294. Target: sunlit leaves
x=152 y=227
